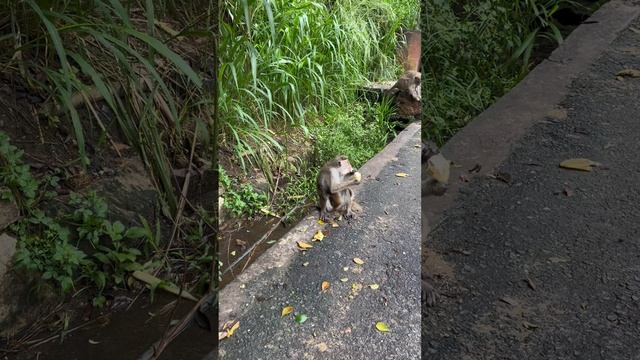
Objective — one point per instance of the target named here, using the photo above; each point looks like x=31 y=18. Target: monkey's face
x=344 y=165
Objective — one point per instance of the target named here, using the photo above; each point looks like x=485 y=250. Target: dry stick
x=104 y=130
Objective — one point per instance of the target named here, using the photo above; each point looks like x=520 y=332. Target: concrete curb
x=233 y=299
x=489 y=138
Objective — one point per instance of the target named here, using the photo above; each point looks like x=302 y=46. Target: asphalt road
x=341 y=321
x=547 y=266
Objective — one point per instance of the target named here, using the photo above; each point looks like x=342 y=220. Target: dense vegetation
x=289 y=76
x=475 y=51
x=134 y=73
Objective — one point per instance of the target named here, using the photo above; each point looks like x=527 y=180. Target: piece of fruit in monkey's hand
x=357 y=176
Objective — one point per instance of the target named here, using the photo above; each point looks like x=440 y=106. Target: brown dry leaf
x=120 y=146
x=318 y=236
x=287 y=310
x=382 y=327
x=579 y=164
x=634 y=73
x=401 y=174
x=358 y=261
x=325 y=285
x=303 y=245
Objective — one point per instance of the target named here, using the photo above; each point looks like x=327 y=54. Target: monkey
x=334 y=184
x=431 y=186
x=409 y=83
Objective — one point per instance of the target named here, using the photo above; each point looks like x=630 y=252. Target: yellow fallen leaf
x=344 y=279
x=358 y=261
x=325 y=285
x=287 y=310
x=374 y=286
x=266 y=211
x=320 y=222
x=233 y=328
x=346 y=268
x=383 y=327
x=578 y=164
x=303 y=245
x=306 y=263
x=334 y=225
x=318 y=236
x=222 y=335
x=401 y=174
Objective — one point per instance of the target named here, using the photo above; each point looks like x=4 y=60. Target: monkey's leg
x=349 y=203
x=325 y=208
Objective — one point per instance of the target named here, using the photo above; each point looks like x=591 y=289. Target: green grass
x=290 y=70
x=476 y=51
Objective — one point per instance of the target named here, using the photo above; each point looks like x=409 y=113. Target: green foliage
x=475 y=51
x=97 y=53
x=358 y=131
x=16 y=182
x=284 y=60
x=79 y=245
x=241 y=199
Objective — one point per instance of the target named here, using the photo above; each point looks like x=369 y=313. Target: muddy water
x=127 y=335
x=243 y=236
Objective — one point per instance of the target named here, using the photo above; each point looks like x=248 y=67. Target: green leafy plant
x=241 y=199
x=16 y=182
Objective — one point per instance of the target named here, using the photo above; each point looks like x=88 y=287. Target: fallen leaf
x=320 y=222
x=121 y=146
x=579 y=164
x=271 y=242
x=508 y=300
x=301 y=318
x=374 y=286
x=417 y=146
x=154 y=282
x=222 y=335
x=568 y=192
x=266 y=211
x=233 y=253
x=241 y=243
x=358 y=261
x=401 y=174
x=634 y=73
x=303 y=245
x=287 y=310
x=318 y=236
x=322 y=347
x=383 y=327
x=530 y=283
x=93 y=342
x=557 y=260
x=334 y=225
x=233 y=329
x=529 y=325
x=306 y=263
x=344 y=279
x=325 y=285
x=346 y=268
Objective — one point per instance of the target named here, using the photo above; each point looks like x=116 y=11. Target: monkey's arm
x=350 y=180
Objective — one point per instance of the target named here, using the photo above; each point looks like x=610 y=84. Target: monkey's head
x=343 y=164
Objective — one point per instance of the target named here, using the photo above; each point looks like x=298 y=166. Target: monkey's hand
x=429 y=294
x=357 y=176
